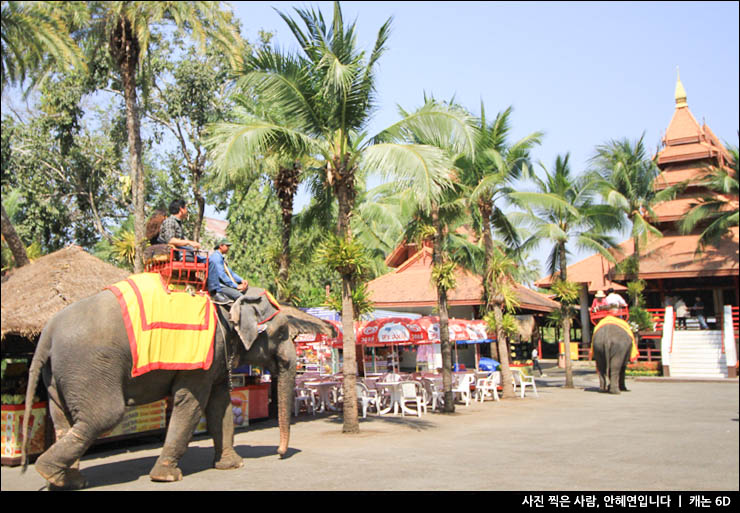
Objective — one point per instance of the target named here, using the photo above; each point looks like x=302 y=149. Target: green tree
x=327 y=92
x=35 y=40
x=716 y=211
x=125 y=30
x=563 y=208
x=625 y=177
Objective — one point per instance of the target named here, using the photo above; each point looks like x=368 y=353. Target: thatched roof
x=32 y=294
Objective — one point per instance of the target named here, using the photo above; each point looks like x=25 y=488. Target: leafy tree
x=125 y=30
x=625 y=176
x=561 y=208
x=35 y=40
x=325 y=97
x=716 y=211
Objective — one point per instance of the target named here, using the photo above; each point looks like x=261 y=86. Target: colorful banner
x=12 y=423
x=139 y=419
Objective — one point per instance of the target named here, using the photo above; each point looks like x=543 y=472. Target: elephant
x=612 y=345
x=84 y=357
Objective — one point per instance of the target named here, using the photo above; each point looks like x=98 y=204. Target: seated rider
x=615 y=301
x=171 y=232
x=599 y=301
x=223 y=283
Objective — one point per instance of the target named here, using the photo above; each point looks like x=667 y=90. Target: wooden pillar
x=585 y=317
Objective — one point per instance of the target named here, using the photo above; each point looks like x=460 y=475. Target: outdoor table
x=395 y=393
x=324 y=388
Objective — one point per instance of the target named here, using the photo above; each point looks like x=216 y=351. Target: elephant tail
x=40 y=357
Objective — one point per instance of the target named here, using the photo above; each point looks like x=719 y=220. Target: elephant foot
x=164 y=473
x=624 y=389
x=60 y=478
x=229 y=460
x=614 y=392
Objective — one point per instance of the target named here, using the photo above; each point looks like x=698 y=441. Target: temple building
x=671 y=265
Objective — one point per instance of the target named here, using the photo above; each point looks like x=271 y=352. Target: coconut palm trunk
x=14 y=242
x=124 y=48
x=565 y=319
x=444 y=317
x=344 y=189
x=503 y=353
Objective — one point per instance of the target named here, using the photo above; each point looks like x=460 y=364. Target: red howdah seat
x=160 y=258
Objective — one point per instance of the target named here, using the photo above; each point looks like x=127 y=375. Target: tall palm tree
x=327 y=92
x=625 y=177
x=491 y=175
x=125 y=29
x=35 y=40
x=563 y=208
x=716 y=211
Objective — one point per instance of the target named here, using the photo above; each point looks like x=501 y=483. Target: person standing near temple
x=698 y=310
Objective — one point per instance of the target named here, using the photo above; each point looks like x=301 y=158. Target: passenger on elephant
x=171 y=232
x=223 y=283
x=599 y=301
x=615 y=301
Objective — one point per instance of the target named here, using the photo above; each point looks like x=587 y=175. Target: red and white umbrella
x=391 y=331
x=460 y=330
x=304 y=339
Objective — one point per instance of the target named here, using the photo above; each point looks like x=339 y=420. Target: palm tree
x=35 y=40
x=328 y=94
x=125 y=29
x=717 y=210
x=500 y=269
x=561 y=209
x=491 y=175
x=625 y=176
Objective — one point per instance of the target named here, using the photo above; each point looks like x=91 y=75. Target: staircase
x=698 y=354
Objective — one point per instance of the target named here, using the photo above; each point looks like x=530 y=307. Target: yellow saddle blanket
x=167 y=329
x=609 y=319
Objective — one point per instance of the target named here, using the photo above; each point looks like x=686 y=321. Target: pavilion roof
x=410 y=285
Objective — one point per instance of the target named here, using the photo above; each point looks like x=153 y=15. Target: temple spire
x=680 y=92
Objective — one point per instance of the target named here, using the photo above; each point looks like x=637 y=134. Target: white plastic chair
x=463 y=387
x=304 y=396
x=434 y=396
x=487 y=386
x=412 y=392
x=523 y=382
x=366 y=397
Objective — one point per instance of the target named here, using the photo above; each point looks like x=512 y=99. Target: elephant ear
x=244 y=319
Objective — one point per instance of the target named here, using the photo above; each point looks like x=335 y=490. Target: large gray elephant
x=611 y=350
x=84 y=356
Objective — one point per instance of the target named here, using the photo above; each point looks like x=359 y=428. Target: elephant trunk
x=285 y=391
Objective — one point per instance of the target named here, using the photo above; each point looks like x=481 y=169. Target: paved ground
x=660 y=436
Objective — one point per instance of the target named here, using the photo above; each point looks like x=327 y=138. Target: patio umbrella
x=463 y=331
x=318 y=341
x=391 y=331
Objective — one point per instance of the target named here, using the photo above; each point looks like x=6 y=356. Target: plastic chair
x=304 y=396
x=523 y=382
x=433 y=395
x=463 y=387
x=366 y=398
x=486 y=386
x=412 y=391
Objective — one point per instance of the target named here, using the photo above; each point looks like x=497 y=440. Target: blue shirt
x=217 y=274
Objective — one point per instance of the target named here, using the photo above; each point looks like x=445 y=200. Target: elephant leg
x=59 y=465
x=623 y=371
x=220 y=421
x=186 y=413
x=616 y=365
x=601 y=369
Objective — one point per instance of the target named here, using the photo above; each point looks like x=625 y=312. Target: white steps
x=698 y=354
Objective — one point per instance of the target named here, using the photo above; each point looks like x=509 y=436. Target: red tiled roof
x=410 y=286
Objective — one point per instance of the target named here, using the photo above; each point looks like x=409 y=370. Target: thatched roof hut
x=32 y=294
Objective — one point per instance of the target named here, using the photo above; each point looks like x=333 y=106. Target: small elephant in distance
x=612 y=344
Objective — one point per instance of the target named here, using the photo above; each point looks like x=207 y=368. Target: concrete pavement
x=660 y=436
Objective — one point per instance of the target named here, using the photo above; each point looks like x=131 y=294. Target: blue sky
x=582 y=72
